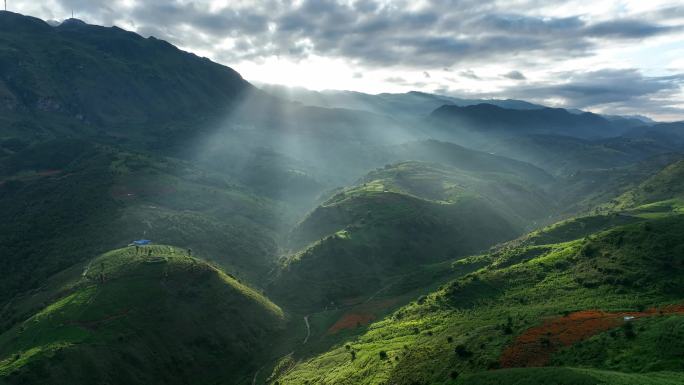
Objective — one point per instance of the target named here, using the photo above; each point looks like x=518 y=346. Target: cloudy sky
x=612 y=56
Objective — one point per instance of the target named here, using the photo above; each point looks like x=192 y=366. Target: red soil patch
x=535 y=346
x=361 y=315
x=351 y=321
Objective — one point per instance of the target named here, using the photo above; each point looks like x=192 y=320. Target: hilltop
x=139 y=316
x=65 y=200
x=396 y=219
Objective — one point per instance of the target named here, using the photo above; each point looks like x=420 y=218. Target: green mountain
x=662 y=189
x=411 y=105
x=64 y=201
x=552 y=305
x=491 y=118
x=62 y=76
x=345 y=238
x=153 y=315
x=396 y=219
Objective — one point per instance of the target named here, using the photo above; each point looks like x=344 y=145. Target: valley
x=301 y=237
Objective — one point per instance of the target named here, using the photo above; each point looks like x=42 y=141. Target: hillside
x=562 y=155
x=583 y=190
x=559 y=142
x=485 y=320
x=396 y=219
x=411 y=105
x=666 y=185
x=326 y=238
x=60 y=76
x=153 y=315
x=466 y=159
x=490 y=118
x=63 y=201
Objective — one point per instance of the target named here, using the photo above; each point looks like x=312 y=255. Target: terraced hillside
x=479 y=322
x=139 y=315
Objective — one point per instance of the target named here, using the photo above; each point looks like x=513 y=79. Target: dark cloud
x=607 y=86
x=625 y=91
x=375 y=33
x=515 y=75
x=628 y=29
x=470 y=74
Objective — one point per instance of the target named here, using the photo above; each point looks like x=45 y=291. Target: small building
x=142 y=242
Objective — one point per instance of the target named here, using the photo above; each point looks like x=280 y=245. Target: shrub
x=383 y=355
x=462 y=351
x=628 y=327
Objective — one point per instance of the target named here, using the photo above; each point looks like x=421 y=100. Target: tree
x=462 y=351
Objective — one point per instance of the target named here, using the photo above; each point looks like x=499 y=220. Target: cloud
x=606 y=86
x=470 y=74
x=371 y=32
x=514 y=75
x=398 y=40
x=629 y=29
x=620 y=91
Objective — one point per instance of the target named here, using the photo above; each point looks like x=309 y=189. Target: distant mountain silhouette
x=488 y=117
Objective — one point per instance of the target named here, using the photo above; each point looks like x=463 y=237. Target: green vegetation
x=413 y=273
x=107 y=325
x=650 y=344
x=397 y=219
x=627 y=268
x=102 y=197
x=666 y=185
x=568 y=376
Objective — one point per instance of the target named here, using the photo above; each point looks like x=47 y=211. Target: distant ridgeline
x=331 y=237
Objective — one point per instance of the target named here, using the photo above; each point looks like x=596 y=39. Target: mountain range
x=288 y=236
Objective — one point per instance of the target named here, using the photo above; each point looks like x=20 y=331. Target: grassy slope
x=397 y=219
x=625 y=268
x=568 y=376
x=668 y=184
x=584 y=190
x=514 y=199
x=102 y=197
x=134 y=318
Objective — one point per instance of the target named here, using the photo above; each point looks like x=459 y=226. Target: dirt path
x=308 y=329
x=254 y=379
